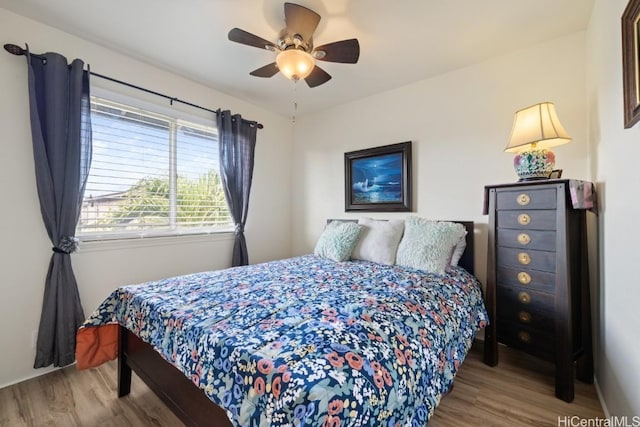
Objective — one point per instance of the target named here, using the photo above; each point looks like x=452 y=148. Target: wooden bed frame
x=187 y=401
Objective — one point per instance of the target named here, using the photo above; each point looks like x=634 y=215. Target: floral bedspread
x=307 y=341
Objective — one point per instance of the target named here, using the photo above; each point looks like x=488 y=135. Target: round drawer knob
x=525 y=337
x=524 y=297
x=523 y=199
x=524 y=258
x=524 y=277
x=524 y=238
x=524 y=219
x=524 y=317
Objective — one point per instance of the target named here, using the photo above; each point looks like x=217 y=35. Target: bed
x=299 y=342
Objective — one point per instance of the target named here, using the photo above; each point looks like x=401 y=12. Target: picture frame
x=631 y=62
x=378 y=179
x=555 y=174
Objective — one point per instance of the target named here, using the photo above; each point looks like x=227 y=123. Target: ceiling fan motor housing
x=295 y=41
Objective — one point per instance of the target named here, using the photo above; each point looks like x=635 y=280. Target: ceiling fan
x=296 y=53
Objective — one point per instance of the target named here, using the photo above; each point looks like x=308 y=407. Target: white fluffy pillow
x=379 y=241
x=428 y=245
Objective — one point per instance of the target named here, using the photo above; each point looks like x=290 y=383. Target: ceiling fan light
x=295 y=64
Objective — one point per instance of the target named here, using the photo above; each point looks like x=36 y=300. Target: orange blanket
x=96 y=345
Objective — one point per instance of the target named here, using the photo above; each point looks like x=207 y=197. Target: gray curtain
x=237 y=150
x=61 y=133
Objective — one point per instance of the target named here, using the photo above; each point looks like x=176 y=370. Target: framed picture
x=555 y=174
x=378 y=179
x=630 y=62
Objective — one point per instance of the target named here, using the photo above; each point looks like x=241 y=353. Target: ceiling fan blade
x=300 y=20
x=266 y=71
x=241 y=36
x=345 y=51
x=317 y=77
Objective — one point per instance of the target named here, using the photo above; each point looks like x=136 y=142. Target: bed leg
x=124 y=371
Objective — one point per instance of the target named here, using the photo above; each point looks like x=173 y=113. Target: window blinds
x=151 y=175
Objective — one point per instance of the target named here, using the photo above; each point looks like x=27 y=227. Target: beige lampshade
x=536 y=126
x=295 y=64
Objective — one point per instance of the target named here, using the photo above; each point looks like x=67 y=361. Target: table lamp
x=535 y=130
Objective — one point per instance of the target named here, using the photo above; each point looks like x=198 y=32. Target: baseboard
x=38 y=373
x=607 y=414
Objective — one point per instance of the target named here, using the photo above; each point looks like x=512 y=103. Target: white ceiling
x=401 y=41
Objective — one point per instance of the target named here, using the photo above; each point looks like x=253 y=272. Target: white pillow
x=379 y=241
x=428 y=245
x=459 y=250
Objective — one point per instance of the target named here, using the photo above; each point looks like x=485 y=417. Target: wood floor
x=518 y=392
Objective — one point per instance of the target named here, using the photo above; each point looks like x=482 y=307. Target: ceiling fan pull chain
x=295 y=104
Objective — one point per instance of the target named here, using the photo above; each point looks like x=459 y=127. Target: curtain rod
x=18 y=51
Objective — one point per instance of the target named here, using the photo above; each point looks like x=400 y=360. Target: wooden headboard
x=466 y=261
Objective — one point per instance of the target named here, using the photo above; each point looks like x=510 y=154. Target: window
x=150 y=175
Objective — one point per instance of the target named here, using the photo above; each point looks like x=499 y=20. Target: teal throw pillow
x=338 y=240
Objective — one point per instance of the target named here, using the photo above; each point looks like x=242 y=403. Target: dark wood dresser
x=537 y=290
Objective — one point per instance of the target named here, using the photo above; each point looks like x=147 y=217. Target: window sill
x=112 y=243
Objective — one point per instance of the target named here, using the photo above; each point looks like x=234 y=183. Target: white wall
x=459 y=123
x=614 y=154
x=25 y=249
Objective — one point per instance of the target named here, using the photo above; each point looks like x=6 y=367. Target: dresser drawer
x=526 y=198
x=527 y=219
x=519 y=258
x=527 y=239
x=532 y=341
x=527 y=278
x=524 y=299
x=539 y=320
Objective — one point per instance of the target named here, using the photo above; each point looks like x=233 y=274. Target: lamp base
x=533 y=164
